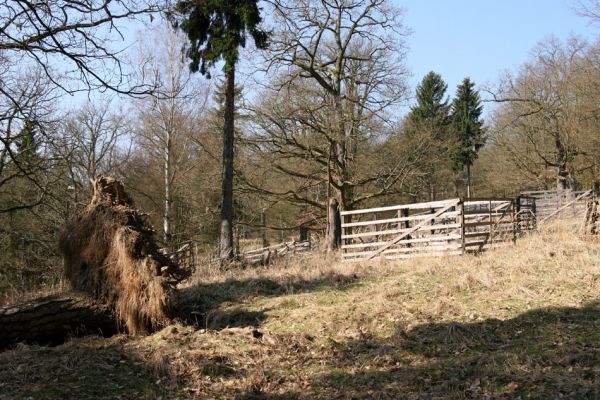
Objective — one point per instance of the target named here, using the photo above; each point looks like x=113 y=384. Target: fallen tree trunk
x=52 y=319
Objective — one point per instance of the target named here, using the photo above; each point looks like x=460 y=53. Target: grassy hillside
x=521 y=321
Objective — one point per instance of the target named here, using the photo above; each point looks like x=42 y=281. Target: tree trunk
x=263 y=221
x=469 y=190
x=334 y=226
x=226 y=240
x=167 y=172
x=51 y=319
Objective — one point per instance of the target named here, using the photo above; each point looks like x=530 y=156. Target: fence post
x=406 y=225
x=491 y=238
x=515 y=216
x=461 y=209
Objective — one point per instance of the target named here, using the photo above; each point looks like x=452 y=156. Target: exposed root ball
x=109 y=251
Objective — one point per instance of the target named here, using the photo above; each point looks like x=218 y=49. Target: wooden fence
x=448 y=227
x=551 y=203
x=184 y=256
x=264 y=255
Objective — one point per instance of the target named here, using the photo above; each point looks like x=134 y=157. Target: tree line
x=222 y=160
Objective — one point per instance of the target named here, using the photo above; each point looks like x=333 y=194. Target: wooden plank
x=484 y=213
x=407 y=241
x=423 y=228
x=448 y=215
x=431 y=254
x=485 y=223
x=421 y=224
x=453 y=246
x=474 y=202
x=415 y=206
x=409 y=256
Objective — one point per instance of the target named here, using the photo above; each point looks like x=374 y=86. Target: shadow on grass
x=76 y=370
x=545 y=353
x=200 y=304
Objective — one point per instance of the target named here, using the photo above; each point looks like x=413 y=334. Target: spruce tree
x=467 y=127
x=428 y=120
x=431 y=110
x=216 y=29
x=27 y=146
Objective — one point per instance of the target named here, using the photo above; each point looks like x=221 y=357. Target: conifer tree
x=431 y=108
x=467 y=127
x=27 y=146
x=428 y=120
x=216 y=29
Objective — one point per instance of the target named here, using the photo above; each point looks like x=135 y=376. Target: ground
x=517 y=322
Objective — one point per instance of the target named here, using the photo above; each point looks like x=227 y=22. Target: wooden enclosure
x=551 y=203
x=448 y=227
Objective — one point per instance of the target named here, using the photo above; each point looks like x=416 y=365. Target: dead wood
x=110 y=253
x=51 y=319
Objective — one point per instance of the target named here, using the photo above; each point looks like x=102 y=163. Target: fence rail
x=448 y=227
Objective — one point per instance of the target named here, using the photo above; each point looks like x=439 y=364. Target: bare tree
x=352 y=54
x=72 y=42
x=25 y=117
x=168 y=119
x=95 y=140
x=544 y=120
x=51 y=47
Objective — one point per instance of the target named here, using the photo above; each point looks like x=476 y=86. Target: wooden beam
x=416 y=206
x=398 y=219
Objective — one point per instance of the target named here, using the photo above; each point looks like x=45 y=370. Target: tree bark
x=167 y=177
x=263 y=221
x=226 y=239
x=334 y=225
x=51 y=319
x=469 y=189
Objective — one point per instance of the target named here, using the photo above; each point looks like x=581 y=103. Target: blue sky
x=483 y=38
x=475 y=38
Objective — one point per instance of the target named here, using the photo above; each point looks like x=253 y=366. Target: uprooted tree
x=118 y=276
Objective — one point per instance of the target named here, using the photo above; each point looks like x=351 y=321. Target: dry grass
x=110 y=252
x=517 y=322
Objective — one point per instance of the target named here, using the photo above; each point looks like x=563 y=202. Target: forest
x=235 y=122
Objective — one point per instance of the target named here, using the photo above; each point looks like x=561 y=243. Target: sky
x=482 y=38
x=476 y=38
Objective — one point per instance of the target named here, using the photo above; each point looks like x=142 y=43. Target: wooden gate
x=551 y=203
x=488 y=222
x=404 y=231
